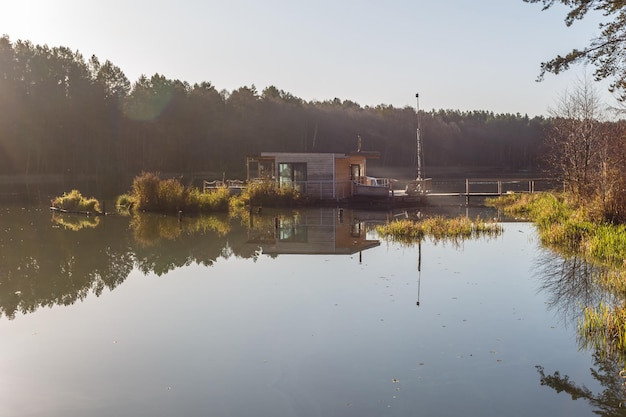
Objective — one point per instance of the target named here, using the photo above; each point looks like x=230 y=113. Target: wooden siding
x=328 y=174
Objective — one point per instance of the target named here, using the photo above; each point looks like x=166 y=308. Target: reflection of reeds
x=439 y=228
x=76 y=222
x=149 y=229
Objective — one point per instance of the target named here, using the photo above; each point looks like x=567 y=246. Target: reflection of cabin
x=319 y=231
x=318 y=175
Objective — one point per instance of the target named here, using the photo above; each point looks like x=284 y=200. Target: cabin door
x=355 y=172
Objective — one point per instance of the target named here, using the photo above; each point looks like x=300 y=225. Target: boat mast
x=420 y=158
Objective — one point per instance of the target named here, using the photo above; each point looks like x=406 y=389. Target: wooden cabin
x=324 y=176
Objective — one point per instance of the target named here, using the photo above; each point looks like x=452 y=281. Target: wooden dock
x=482 y=188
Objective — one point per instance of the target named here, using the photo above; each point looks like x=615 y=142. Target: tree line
x=64 y=114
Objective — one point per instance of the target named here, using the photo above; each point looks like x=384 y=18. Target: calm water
x=310 y=316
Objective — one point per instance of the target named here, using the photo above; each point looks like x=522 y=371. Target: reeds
x=438 y=228
x=568 y=228
x=268 y=193
x=151 y=193
x=75 y=202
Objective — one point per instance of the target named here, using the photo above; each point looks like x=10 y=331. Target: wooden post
x=467 y=196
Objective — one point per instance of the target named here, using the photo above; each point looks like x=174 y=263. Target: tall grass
x=568 y=228
x=268 y=193
x=438 y=228
x=152 y=194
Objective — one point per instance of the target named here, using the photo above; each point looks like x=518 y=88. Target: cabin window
x=292 y=174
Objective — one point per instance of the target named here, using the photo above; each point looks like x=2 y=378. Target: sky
x=457 y=54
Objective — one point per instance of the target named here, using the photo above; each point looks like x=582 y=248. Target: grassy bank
x=568 y=228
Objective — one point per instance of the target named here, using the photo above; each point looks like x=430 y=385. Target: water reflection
x=571 y=284
x=321 y=231
x=53 y=259
x=75 y=223
x=608 y=372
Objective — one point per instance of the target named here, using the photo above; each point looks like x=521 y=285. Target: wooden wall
x=320 y=170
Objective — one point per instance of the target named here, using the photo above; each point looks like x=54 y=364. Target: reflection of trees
x=45 y=265
x=569 y=283
x=164 y=243
x=573 y=286
x=608 y=372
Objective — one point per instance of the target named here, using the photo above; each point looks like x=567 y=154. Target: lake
x=304 y=313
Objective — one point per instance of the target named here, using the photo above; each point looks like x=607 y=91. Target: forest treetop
x=67 y=115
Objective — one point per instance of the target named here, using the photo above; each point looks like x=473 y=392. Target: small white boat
x=373 y=187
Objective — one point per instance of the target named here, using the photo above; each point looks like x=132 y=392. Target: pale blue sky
x=458 y=54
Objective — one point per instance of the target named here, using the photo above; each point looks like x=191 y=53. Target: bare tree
x=576 y=140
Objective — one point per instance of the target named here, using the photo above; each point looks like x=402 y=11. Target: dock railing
x=232 y=184
x=493 y=187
